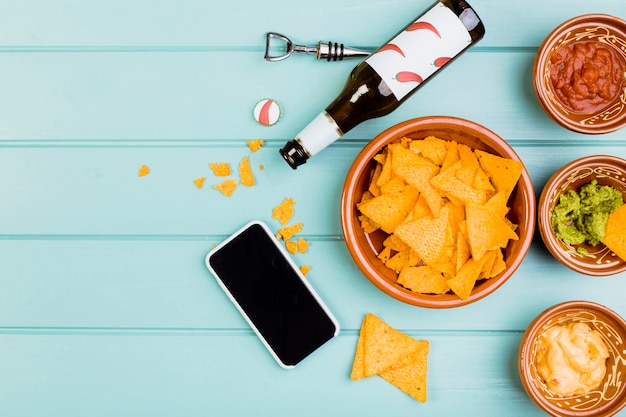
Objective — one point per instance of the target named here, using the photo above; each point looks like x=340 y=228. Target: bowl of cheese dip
x=572 y=360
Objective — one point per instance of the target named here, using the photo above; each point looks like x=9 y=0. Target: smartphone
x=271 y=293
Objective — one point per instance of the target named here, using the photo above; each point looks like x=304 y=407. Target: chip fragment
x=199 y=182
x=144 y=170
x=255 y=144
x=227 y=187
x=220 y=169
x=284 y=211
x=245 y=172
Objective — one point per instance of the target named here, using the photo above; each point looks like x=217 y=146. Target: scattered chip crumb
x=305 y=269
x=303 y=245
x=220 y=169
x=144 y=170
x=284 y=211
x=199 y=182
x=287 y=232
x=255 y=144
x=261 y=167
x=227 y=187
x=292 y=247
x=245 y=172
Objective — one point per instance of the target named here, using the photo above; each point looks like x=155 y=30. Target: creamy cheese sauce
x=571 y=359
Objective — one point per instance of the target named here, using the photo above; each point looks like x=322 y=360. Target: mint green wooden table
x=106 y=308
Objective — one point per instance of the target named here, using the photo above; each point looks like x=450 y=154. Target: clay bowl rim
x=612 y=24
x=350 y=196
x=548 y=318
x=555 y=246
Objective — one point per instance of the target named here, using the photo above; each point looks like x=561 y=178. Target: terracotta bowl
x=605 y=30
x=610 y=396
x=606 y=170
x=365 y=247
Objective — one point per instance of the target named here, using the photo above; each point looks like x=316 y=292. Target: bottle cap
x=267 y=112
x=294 y=154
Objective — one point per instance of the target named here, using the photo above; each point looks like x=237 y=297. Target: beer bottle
x=392 y=73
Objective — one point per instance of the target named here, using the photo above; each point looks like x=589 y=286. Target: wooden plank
x=200 y=24
x=125 y=283
x=232 y=375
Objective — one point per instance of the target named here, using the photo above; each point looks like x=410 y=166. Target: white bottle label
x=420 y=50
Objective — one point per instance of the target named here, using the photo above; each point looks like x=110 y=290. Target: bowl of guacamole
x=574 y=208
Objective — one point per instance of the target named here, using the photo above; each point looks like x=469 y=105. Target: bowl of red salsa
x=579 y=74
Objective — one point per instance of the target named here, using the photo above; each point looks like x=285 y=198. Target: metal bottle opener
x=330 y=51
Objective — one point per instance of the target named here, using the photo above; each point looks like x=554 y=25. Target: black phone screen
x=278 y=303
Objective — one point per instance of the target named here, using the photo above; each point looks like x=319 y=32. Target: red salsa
x=586 y=76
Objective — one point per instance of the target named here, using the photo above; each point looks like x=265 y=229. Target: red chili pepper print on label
x=441 y=61
x=408 y=77
x=423 y=26
x=392 y=47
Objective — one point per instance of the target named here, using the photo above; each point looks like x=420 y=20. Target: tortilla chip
x=486 y=231
x=245 y=172
x=394 y=243
x=410 y=377
x=463 y=283
x=255 y=144
x=399 y=261
x=394 y=185
x=397 y=358
x=389 y=210
x=417 y=171
x=503 y=172
x=427 y=236
x=284 y=211
x=373 y=188
x=385 y=255
x=447 y=182
x=452 y=156
x=385 y=173
x=615 y=234
x=432 y=148
x=220 y=169
x=305 y=269
x=227 y=187
x=423 y=279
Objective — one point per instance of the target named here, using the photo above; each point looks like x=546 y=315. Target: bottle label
x=420 y=50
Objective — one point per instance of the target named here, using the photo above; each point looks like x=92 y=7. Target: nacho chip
x=389 y=210
x=144 y=170
x=417 y=171
x=385 y=254
x=399 y=261
x=287 y=232
x=220 y=169
x=284 y=211
x=427 y=236
x=394 y=356
x=227 y=187
x=382 y=347
x=432 y=148
x=255 y=144
x=503 y=172
x=486 y=230
x=463 y=283
x=423 y=279
x=410 y=377
x=447 y=182
x=394 y=185
x=615 y=234
x=245 y=172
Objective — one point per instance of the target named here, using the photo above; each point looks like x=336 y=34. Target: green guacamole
x=582 y=216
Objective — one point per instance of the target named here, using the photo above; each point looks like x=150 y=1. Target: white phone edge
x=299 y=273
